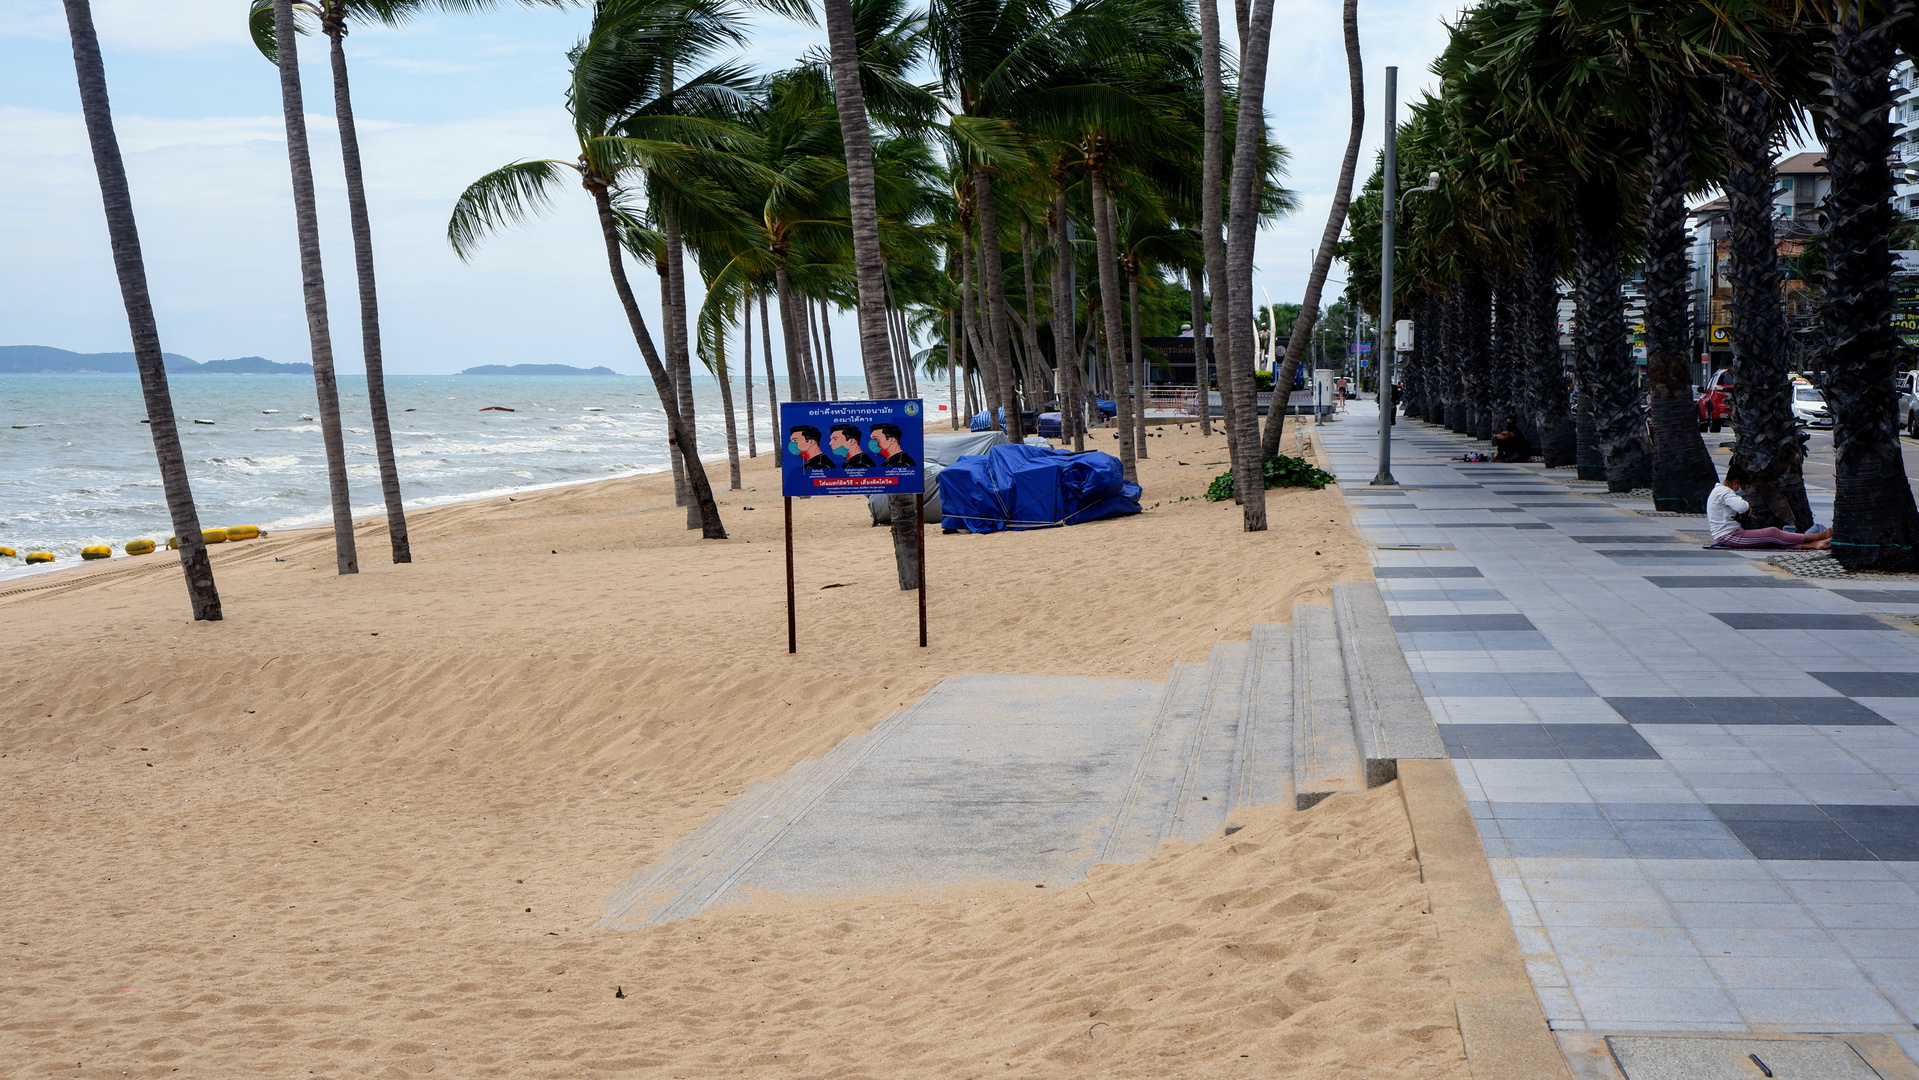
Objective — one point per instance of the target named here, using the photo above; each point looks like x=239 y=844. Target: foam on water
x=79 y=466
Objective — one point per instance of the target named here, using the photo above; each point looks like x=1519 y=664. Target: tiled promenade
x=1697 y=778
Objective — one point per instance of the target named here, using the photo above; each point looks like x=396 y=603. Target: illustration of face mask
x=873 y=445
x=842 y=452
x=793 y=447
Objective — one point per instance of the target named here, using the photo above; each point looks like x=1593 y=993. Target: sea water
x=77 y=466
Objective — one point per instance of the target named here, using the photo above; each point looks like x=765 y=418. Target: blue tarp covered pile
x=1015 y=486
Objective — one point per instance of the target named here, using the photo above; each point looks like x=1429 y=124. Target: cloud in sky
x=440 y=102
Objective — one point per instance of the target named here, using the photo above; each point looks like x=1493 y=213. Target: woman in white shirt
x=1724 y=503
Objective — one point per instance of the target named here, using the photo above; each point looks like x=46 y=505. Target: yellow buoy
x=39 y=556
x=139 y=547
x=214 y=536
x=96 y=551
x=173 y=543
x=242 y=532
x=9 y=553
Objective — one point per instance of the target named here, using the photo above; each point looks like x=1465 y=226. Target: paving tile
x=1879 y=596
x=1877 y=946
x=1778 y=941
x=1647 y=538
x=1801 y=1009
x=1871 y=683
x=1737 y=891
x=1426 y=572
x=1744 y=916
x=1625 y=941
x=1423 y=624
x=1748 y=711
x=1662 y=972
x=1785 y=972
x=1759 y=620
x=1865 y=916
x=1566 y=847
x=1726 y=581
x=1683 y=1009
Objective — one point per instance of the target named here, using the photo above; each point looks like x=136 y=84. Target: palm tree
x=130 y=266
x=1241 y=235
x=1328 y=240
x=313 y=282
x=1875 y=523
x=608 y=166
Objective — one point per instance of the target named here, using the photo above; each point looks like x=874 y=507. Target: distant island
x=44 y=359
x=536 y=369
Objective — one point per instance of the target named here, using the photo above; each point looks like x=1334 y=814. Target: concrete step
x=1325 y=744
x=1263 y=757
x=1390 y=716
x=1147 y=811
x=1207 y=788
x=710 y=853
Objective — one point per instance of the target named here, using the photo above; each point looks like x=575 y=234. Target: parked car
x=1809 y=405
x=1906 y=385
x=1715 y=401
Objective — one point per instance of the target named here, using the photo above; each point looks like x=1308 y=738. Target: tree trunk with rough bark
x=1767 y=439
x=772 y=386
x=1212 y=197
x=710 y=526
x=792 y=337
x=1619 y=421
x=993 y=277
x=335 y=26
x=1329 y=238
x=1065 y=346
x=746 y=363
x=1138 y=374
x=129 y=266
x=1545 y=367
x=1108 y=245
x=313 y=284
x=1875 y=523
x=1242 y=235
x=1194 y=286
x=1682 y=470
x=726 y=404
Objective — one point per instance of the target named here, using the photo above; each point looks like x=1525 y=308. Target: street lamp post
x=1391 y=204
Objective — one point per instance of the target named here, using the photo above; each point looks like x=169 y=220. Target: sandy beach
x=363 y=826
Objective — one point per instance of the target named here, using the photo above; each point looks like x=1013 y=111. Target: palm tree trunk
x=746 y=352
x=993 y=295
x=1212 y=188
x=1328 y=239
x=130 y=266
x=677 y=422
x=1767 y=439
x=1072 y=410
x=772 y=386
x=790 y=336
x=1138 y=376
x=1545 y=367
x=1619 y=422
x=1037 y=385
x=679 y=352
x=1682 y=470
x=967 y=333
x=1479 y=297
x=1242 y=234
x=726 y=403
x=815 y=363
x=335 y=27
x=955 y=348
x=313 y=284
x=1198 y=298
x=1110 y=304
x=826 y=337
x=1592 y=465
x=1875 y=524
x=992 y=390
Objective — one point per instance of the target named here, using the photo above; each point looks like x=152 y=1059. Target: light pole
x=1390 y=204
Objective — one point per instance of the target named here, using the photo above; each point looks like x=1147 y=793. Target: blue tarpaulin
x=1016 y=486
x=983 y=422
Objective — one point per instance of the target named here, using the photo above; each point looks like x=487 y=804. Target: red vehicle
x=1715 y=401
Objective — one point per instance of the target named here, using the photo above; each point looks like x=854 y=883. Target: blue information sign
x=852 y=448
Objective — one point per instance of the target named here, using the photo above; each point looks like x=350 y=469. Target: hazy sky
x=440 y=103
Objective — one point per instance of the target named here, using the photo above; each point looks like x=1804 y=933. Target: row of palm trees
x=1070 y=166
x=1569 y=135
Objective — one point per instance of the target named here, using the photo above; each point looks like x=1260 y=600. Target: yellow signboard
x=1720 y=335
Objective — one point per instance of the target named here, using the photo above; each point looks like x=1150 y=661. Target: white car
x=1809 y=406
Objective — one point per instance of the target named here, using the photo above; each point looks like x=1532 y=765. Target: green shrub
x=1281 y=471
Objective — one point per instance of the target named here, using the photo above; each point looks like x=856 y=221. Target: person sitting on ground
x=1725 y=502
x=1512 y=443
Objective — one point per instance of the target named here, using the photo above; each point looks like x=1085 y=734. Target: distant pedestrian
x=1723 y=506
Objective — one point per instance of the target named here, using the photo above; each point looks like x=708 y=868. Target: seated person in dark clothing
x=1511 y=443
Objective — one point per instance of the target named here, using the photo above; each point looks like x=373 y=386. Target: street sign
x=1362 y=347
x=853 y=448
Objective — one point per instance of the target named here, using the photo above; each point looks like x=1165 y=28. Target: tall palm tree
x=1875 y=523
x=1329 y=238
x=130 y=266
x=610 y=166
x=313 y=283
x=1241 y=235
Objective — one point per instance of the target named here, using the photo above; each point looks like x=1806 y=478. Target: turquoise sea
x=77 y=465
